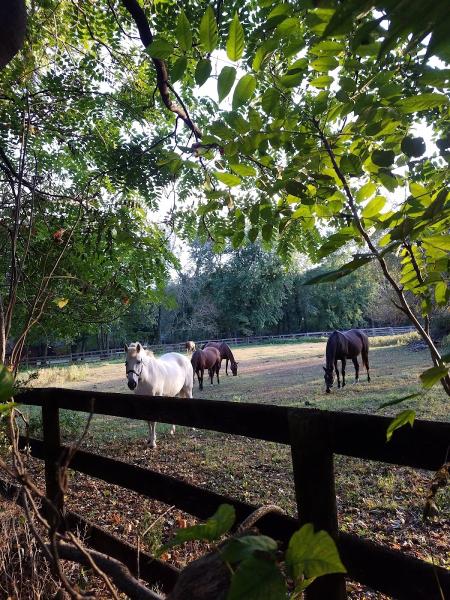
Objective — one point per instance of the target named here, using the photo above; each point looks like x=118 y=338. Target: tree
x=322 y=132
x=76 y=246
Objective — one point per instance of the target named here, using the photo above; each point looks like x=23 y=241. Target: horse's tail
x=365 y=355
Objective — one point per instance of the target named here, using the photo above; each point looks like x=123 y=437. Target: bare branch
x=162 y=76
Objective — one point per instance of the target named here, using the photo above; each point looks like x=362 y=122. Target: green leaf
x=239 y=549
x=440 y=242
x=324 y=64
x=183 y=32
x=324 y=81
x=405 y=417
x=216 y=526
x=237 y=238
x=383 y=158
x=312 y=554
x=178 y=69
x=441 y=293
x=421 y=102
x=202 y=71
x=288 y=27
x=373 y=208
x=253 y=234
x=235 y=41
x=225 y=82
x=351 y=164
x=267 y=232
x=270 y=100
x=160 y=48
x=294 y=187
x=244 y=90
x=208 y=33
x=367 y=190
x=433 y=375
x=347 y=84
x=228 y=178
x=356 y=263
x=6 y=384
x=257 y=579
x=413 y=146
x=244 y=170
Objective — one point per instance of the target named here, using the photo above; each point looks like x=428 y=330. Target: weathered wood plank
x=312 y=461
x=51 y=456
x=422 y=446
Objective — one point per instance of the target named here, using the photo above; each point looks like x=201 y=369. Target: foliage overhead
x=317 y=144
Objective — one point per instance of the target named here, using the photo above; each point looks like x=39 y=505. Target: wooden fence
x=113 y=353
x=314 y=437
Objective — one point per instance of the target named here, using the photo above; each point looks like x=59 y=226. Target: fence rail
x=112 y=353
x=314 y=437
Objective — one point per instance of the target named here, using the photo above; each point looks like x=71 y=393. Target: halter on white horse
x=169 y=375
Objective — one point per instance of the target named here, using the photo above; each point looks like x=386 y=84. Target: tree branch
x=162 y=76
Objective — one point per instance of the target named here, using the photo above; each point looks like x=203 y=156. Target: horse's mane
x=147 y=352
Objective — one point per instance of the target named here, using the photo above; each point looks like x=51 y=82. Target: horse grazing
x=225 y=353
x=190 y=346
x=340 y=346
x=168 y=375
x=209 y=358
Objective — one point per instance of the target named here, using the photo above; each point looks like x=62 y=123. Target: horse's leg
x=200 y=377
x=217 y=371
x=337 y=373
x=356 y=363
x=152 y=434
x=365 y=359
x=226 y=366
x=343 y=361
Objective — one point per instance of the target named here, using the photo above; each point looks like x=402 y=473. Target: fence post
x=52 y=455
x=312 y=461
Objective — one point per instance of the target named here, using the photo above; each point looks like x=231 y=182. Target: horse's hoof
x=151 y=444
x=328 y=391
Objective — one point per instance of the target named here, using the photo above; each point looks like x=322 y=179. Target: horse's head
x=234 y=366
x=134 y=364
x=329 y=377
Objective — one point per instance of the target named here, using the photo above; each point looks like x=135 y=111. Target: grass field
x=377 y=501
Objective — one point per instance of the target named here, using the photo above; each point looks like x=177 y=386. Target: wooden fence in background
x=114 y=353
x=314 y=437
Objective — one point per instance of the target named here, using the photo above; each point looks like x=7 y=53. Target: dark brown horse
x=206 y=359
x=340 y=346
x=225 y=353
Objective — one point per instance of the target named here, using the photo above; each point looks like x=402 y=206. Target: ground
x=377 y=501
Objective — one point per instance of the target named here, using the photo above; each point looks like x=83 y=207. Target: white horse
x=169 y=375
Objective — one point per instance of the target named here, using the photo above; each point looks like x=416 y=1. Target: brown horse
x=342 y=345
x=225 y=353
x=206 y=359
x=190 y=346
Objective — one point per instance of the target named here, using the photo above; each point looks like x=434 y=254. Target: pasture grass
x=289 y=375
